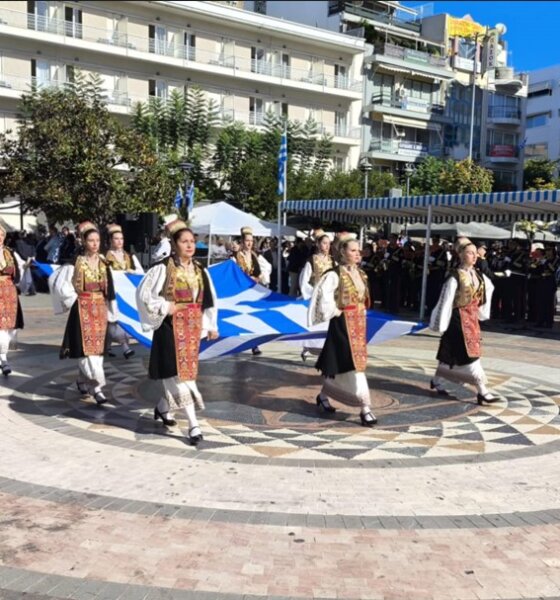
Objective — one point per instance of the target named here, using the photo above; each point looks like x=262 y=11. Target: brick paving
x=442 y=501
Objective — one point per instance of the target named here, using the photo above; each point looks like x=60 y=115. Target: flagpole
x=284 y=198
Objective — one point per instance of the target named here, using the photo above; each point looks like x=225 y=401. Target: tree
x=466 y=177
x=426 y=179
x=539 y=174
x=74 y=161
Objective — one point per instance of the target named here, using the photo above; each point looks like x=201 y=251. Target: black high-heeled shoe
x=324 y=404
x=195 y=439
x=165 y=420
x=129 y=353
x=6 y=369
x=439 y=391
x=100 y=398
x=368 y=419
x=482 y=399
x=82 y=388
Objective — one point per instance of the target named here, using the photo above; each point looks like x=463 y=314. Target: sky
x=533 y=27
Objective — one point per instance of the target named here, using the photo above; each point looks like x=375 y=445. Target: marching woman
x=11 y=315
x=248 y=261
x=86 y=289
x=319 y=263
x=342 y=298
x=176 y=299
x=119 y=260
x=464 y=301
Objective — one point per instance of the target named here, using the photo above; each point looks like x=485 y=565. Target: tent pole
x=209 y=245
x=279 y=251
x=362 y=228
x=426 y=263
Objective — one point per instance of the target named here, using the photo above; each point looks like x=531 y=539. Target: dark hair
x=175 y=237
x=89 y=232
x=321 y=238
x=345 y=244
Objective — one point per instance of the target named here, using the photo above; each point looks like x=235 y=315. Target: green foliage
x=73 y=161
x=538 y=174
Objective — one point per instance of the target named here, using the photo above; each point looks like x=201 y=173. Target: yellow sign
x=463 y=28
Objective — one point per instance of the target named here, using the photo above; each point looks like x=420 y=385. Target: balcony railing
x=503 y=151
x=171 y=48
x=381 y=17
x=404 y=148
x=413 y=56
x=504 y=112
x=408 y=103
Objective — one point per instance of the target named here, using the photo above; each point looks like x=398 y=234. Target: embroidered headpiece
x=246 y=231
x=85 y=227
x=318 y=233
x=113 y=228
x=175 y=226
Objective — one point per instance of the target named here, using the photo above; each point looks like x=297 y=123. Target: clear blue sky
x=533 y=27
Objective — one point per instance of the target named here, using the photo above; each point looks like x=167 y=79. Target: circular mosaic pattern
x=264 y=409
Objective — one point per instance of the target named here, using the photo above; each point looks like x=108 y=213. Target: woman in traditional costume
x=342 y=298
x=319 y=263
x=120 y=260
x=176 y=299
x=11 y=315
x=86 y=289
x=464 y=301
x=248 y=261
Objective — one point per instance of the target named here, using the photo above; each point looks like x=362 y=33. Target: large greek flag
x=249 y=314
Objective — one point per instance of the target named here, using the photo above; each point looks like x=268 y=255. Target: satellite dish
x=500 y=28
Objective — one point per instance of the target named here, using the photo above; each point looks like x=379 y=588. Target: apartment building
x=543 y=114
x=248 y=63
x=418 y=85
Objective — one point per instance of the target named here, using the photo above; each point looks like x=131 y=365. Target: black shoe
x=100 y=398
x=165 y=420
x=6 y=369
x=195 y=439
x=324 y=404
x=110 y=353
x=256 y=351
x=368 y=419
x=129 y=353
x=82 y=388
x=488 y=399
x=439 y=391
x=304 y=354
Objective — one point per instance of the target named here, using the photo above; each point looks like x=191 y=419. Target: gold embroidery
x=116 y=264
x=319 y=265
x=467 y=291
x=8 y=303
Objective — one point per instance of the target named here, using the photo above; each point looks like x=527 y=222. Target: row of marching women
x=176 y=300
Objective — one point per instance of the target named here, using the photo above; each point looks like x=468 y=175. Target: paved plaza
x=444 y=499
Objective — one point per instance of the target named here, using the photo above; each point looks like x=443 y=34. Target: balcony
x=508 y=81
x=368 y=14
x=406 y=106
x=402 y=150
x=502 y=153
x=124 y=44
x=504 y=115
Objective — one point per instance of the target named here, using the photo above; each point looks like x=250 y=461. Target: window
x=340 y=77
x=466 y=49
x=157 y=88
x=158 y=39
x=536 y=151
x=538 y=120
x=339 y=162
x=258 y=60
x=505 y=181
x=537 y=93
x=335 y=6
x=38 y=15
x=504 y=106
x=383 y=86
x=256 y=111
x=260 y=7
x=189 y=42
x=40 y=72
x=340 y=123
x=70 y=73
x=72 y=21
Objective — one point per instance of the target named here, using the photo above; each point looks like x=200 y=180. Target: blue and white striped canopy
x=498 y=206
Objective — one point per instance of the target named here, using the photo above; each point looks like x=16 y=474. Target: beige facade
x=248 y=63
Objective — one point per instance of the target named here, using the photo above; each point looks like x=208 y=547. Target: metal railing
x=171 y=48
x=504 y=112
x=416 y=57
x=408 y=103
x=404 y=148
x=381 y=17
x=502 y=151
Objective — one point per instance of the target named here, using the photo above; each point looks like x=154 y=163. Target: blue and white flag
x=178 y=202
x=190 y=198
x=248 y=314
x=282 y=163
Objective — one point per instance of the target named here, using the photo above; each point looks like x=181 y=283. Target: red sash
x=471 y=329
x=8 y=303
x=92 y=309
x=355 y=317
x=187 y=326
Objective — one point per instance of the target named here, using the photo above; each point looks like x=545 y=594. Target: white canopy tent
x=222 y=218
x=451 y=208
x=480 y=231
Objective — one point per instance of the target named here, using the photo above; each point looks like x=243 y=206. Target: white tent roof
x=223 y=219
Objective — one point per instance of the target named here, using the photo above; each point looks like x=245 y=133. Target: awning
x=538 y=86
x=406 y=122
x=499 y=206
x=408 y=71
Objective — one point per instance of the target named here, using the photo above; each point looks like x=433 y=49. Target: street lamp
x=365 y=168
x=186 y=167
x=408 y=171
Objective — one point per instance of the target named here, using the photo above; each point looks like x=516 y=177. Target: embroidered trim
x=355 y=318
x=187 y=326
x=92 y=310
x=8 y=304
